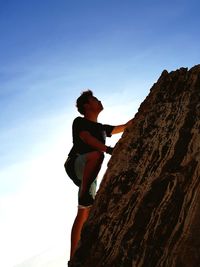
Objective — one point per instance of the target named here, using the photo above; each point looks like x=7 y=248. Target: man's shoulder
x=80 y=122
x=86 y=121
x=78 y=119
x=83 y=121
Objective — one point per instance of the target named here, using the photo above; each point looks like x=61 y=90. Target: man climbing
x=86 y=156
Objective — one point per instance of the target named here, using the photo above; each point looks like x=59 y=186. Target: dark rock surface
x=147 y=210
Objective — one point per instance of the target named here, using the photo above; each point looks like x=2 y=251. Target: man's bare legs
x=80 y=219
x=91 y=170
x=92 y=167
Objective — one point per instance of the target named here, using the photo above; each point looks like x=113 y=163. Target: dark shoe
x=86 y=200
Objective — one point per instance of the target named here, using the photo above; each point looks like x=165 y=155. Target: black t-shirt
x=97 y=130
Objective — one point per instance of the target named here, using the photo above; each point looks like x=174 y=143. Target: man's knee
x=97 y=156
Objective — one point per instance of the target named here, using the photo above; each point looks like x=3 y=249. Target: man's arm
x=92 y=141
x=120 y=128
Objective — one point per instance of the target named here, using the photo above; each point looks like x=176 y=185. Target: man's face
x=95 y=104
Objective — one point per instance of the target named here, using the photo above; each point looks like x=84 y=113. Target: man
x=86 y=156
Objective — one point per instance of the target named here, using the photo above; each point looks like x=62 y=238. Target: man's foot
x=86 y=200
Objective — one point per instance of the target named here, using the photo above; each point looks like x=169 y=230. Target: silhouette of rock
x=147 y=210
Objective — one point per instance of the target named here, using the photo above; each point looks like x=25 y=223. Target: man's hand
x=109 y=150
x=120 y=128
x=129 y=123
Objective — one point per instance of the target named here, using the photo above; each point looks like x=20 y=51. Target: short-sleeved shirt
x=97 y=130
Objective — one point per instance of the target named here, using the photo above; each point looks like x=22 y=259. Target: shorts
x=79 y=166
x=75 y=170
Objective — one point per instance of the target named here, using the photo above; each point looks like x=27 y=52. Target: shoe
x=86 y=200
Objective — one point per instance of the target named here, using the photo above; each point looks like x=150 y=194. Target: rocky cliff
x=147 y=210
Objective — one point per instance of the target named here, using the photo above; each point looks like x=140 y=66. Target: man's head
x=88 y=102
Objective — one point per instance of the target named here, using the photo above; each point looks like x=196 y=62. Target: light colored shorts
x=79 y=166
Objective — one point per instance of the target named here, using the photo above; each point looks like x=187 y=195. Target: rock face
x=147 y=210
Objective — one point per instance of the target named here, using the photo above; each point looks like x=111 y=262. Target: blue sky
x=50 y=51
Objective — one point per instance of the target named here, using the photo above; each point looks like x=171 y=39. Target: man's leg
x=92 y=167
x=81 y=217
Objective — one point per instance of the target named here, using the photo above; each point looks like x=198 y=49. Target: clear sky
x=50 y=51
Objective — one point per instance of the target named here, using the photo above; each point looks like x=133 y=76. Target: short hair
x=82 y=100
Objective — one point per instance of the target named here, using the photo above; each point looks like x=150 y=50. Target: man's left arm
x=120 y=128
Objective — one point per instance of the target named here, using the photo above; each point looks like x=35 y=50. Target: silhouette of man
x=86 y=156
